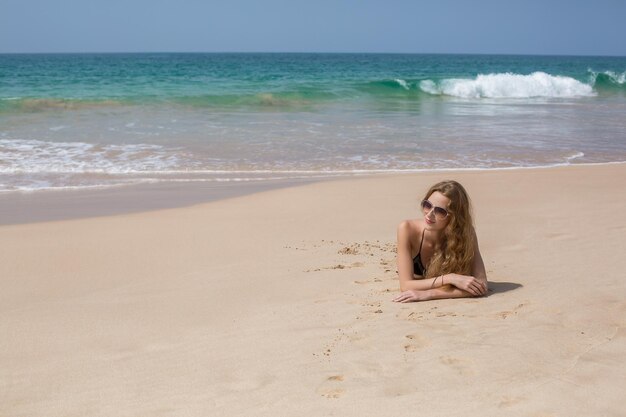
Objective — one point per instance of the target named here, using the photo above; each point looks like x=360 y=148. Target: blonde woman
x=438 y=256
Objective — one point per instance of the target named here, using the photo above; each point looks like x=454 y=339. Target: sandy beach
x=279 y=304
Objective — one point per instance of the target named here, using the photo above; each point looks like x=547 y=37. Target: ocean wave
x=402 y=83
x=607 y=79
x=509 y=85
x=388 y=86
x=310 y=95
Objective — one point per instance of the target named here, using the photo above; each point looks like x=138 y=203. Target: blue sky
x=438 y=26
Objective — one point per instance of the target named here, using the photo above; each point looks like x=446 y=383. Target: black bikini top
x=418 y=267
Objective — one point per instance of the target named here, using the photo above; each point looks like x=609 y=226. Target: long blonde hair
x=456 y=252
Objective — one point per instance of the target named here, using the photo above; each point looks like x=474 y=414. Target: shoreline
x=18 y=207
x=60 y=205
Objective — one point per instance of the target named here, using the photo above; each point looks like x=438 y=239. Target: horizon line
x=307 y=53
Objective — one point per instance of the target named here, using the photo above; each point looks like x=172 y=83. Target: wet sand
x=43 y=206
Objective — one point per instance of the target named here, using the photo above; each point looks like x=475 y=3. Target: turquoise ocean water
x=96 y=120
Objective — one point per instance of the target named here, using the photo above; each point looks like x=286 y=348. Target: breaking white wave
x=508 y=85
x=402 y=83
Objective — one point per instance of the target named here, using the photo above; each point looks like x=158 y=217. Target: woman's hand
x=411 y=295
x=467 y=283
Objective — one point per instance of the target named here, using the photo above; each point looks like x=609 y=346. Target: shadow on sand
x=500 y=287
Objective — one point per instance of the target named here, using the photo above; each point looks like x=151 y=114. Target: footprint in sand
x=416 y=342
x=331 y=388
x=410 y=315
x=510 y=401
x=505 y=314
x=459 y=365
x=445 y=314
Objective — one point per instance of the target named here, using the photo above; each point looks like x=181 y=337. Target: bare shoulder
x=408 y=229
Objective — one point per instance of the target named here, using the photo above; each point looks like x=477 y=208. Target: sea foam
x=36 y=156
x=508 y=85
x=402 y=83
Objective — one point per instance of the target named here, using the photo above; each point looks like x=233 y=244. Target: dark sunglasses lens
x=440 y=212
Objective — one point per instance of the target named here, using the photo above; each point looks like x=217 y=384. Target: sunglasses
x=440 y=212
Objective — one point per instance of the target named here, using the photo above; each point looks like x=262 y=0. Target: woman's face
x=433 y=218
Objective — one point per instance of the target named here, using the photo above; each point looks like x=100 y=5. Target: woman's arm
x=446 y=286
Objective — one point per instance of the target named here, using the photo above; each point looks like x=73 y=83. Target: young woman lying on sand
x=438 y=257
